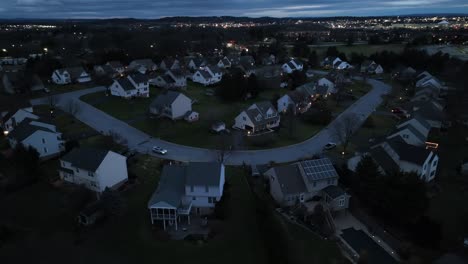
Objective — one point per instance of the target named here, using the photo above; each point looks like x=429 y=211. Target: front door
x=198 y=211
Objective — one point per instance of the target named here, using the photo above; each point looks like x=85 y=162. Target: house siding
x=51 y=146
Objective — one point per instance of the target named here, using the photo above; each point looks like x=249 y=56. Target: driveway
x=142 y=142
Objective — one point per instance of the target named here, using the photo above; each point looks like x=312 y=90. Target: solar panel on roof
x=318 y=169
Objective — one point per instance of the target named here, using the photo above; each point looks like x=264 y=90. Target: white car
x=159 y=150
x=329 y=145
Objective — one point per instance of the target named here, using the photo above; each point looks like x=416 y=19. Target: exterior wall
x=286 y=68
x=46 y=143
x=416 y=125
x=410 y=167
x=84 y=77
x=200 y=195
x=80 y=177
x=275 y=189
x=339 y=203
x=198 y=78
x=242 y=120
x=57 y=78
x=317 y=186
x=181 y=105
x=328 y=83
x=283 y=103
x=112 y=171
x=117 y=90
x=431 y=167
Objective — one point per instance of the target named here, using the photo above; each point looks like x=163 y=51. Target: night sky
x=251 y=8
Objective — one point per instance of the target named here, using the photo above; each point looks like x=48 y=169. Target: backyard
x=211 y=110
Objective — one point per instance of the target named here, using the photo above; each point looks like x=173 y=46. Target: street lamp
x=46 y=49
x=4 y=50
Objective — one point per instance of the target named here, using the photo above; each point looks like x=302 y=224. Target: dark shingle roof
x=203 y=173
x=381 y=157
x=171 y=186
x=290 y=179
x=413 y=130
x=334 y=191
x=86 y=158
x=26 y=129
x=407 y=152
x=126 y=84
x=165 y=99
x=139 y=78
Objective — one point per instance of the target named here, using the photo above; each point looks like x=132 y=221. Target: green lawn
x=58 y=89
x=42 y=213
x=210 y=108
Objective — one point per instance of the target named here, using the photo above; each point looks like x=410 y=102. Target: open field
x=366 y=50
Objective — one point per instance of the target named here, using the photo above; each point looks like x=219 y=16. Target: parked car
x=159 y=150
x=329 y=145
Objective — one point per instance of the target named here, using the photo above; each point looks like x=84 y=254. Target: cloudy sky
x=252 y=8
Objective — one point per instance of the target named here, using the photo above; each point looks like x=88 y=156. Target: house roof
x=203 y=173
x=171 y=186
x=413 y=130
x=422 y=121
x=139 y=78
x=321 y=89
x=261 y=109
x=290 y=179
x=407 y=152
x=86 y=158
x=25 y=129
x=307 y=88
x=177 y=73
x=425 y=109
x=145 y=62
x=167 y=78
x=205 y=74
x=318 y=169
x=334 y=191
x=381 y=157
x=165 y=99
x=106 y=68
x=74 y=72
x=126 y=84
x=115 y=64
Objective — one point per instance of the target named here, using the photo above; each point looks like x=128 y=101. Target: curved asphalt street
x=143 y=143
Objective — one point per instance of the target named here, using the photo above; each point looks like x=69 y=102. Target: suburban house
x=292 y=65
x=169 y=64
x=116 y=66
x=184 y=190
x=179 y=77
x=307 y=180
x=70 y=75
x=208 y=75
x=41 y=136
x=405 y=73
x=171 y=104
x=425 y=93
x=258 y=118
x=330 y=62
x=95 y=169
x=431 y=111
x=224 y=63
x=247 y=68
x=371 y=67
x=296 y=100
x=13 y=118
x=142 y=66
x=413 y=131
x=233 y=59
x=330 y=85
x=162 y=81
x=134 y=85
x=196 y=63
x=342 y=65
x=18 y=82
x=426 y=80
x=105 y=70
x=395 y=154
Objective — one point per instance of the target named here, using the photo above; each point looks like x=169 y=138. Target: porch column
x=164 y=223
x=175 y=220
x=188 y=218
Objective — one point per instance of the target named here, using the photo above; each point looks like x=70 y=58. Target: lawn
x=210 y=108
x=42 y=213
x=58 y=89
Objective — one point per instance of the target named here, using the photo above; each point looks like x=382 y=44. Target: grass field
x=366 y=50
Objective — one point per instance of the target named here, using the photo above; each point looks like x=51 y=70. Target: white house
x=208 y=75
x=179 y=77
x=296 y=100
x=292 y=65
x=371 y=67
x=70 y=75
x=299 y=182
x=342 y=65
x=196 y=63
x=330 y=62
x=105 y=70
x=395 y=154
x=325 y=82
x=224 y=63
x=134 y=85
x=41 y=136
x=259 y=117
x=13 y=118
x=185 y=190
x=95 y=169
x=142 y=66
x=171 y=104
x=425 y=79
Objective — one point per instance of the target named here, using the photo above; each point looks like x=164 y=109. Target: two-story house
x=41 y=136
x=259 y=117
x=184 y=190
x=133 y=85
x=70 y=75
x=171 y=104
x=299 y=182
x=169 y=64
x=326 y=82
x=142 y=66
x=179 y=77
x=296 y=101
x=14 y=117
x=292 y=65
x=95 y=169
x=413 y=131
x=116 y=66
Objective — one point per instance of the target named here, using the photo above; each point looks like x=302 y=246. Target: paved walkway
x=142 y=142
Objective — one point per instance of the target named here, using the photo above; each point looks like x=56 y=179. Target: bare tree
x=117 y=138
x=344 y=129
x=72 y=107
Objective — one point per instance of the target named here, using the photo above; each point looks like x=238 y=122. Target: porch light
x=46 y=49
x=4 y=50
x=343 y=153
x=5 y=132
